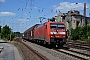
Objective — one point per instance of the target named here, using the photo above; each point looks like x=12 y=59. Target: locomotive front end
x=57 y=34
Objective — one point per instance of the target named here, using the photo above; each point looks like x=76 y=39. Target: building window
x=74 y=21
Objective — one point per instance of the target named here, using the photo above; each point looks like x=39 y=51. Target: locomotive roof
x=54 y=22
x=31 y=27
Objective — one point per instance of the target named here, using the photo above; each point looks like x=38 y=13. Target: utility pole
x=0 y=28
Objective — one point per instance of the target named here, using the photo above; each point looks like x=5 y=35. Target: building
x=72 y=19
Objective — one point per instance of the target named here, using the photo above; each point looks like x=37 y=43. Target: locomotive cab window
x=61 y=26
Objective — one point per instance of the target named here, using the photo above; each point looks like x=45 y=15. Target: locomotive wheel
x=35 y=41
x=44 y=42
x=60 y=45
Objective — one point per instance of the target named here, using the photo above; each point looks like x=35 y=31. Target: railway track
x=78 y=55
x=28 y=53
x=81 y=52
x=79 y=45
x=77 y=50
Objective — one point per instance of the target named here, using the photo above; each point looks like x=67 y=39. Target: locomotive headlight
x=62 y=32
x=53 y=32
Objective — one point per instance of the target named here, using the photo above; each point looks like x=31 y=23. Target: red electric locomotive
x=51 y=33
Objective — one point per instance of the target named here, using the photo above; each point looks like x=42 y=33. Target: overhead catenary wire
x=43 y=9
x=40 y=10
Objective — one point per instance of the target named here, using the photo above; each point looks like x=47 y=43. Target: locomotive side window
x=39 y=25
x=57 y=26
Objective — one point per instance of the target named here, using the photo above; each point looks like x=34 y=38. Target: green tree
x=6 y=33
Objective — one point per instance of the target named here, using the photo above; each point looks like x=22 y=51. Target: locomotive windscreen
x=61 y=26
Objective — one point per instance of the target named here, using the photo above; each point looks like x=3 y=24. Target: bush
x=80 y=33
